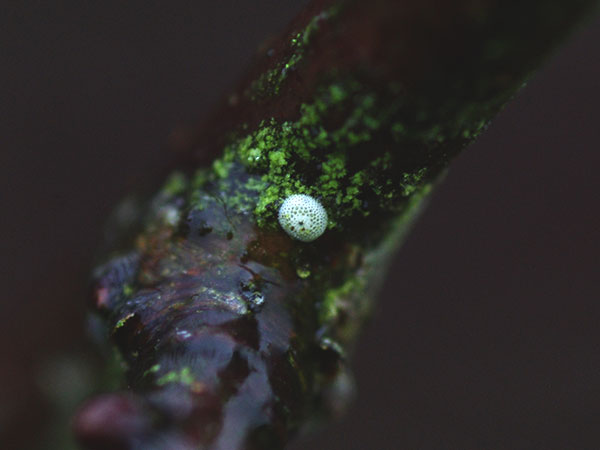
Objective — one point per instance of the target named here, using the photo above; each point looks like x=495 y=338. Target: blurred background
x=487 y=333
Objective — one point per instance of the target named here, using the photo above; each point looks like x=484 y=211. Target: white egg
x=303 y=217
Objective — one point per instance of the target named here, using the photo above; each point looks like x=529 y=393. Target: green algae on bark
x=232 y=335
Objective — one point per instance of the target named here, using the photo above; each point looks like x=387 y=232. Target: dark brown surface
x=494 y=341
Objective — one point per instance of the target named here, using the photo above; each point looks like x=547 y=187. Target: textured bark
x=231 y=334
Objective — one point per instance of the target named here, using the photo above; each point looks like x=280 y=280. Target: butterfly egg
x=303 y=217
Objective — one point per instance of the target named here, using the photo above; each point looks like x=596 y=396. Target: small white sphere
x=303 y=217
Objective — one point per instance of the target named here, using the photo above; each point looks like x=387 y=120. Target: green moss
x=278 y=159
x=303 y=272
x=307 y=156
x=121 y=322
x=228 y=189
x=221 y=168
x=128 y=290
x=154 y=369
x=346 y=305
x=338 y=94
x=337 y=298
x=412 y=181
x=398 y=131
x=184 y=376
x=176 y=184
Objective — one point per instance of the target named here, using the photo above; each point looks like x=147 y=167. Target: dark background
x=487 y=333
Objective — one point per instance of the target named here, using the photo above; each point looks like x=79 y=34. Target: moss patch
x=311 y=156
x=184 y=376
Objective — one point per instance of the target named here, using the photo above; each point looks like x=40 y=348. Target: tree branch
x=233 y=334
